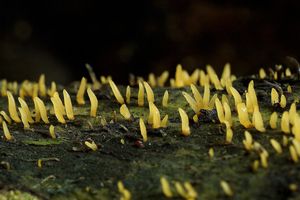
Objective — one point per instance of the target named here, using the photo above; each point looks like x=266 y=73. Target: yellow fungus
x=293 y=187
x=227 y=112
x=12 y=109
x=164 y=121
x=225 y=74
x=197 y=95
x=60 y=104
x=141 y=94
x=125 y=112
x=229 y=134
x=57 y=111
x=179 y=76
x=296 y=144
x=276 y=145
x=289 y=89
x=143 y=130
x=128 y=94
x=275 y=76
x=192 y=102
x=52 y=89
x=243 y=115
x=206 y=96
x=195 y=118
x=96 y=83
x=3 y=87
x=91 y=144
x=252 y=94
x=249 y=103
x=165 y=186
x=285 y=141
x=211 y=152
x=155 y=115
x=24 y=118
x=263 y=160
x=68 y=105
x=165 y=99
x=274 y=96
x=24 y=106
x=220 y=110
x=162 y=78
x=180 y=190
x=191 y=193
x=293 y=154
x=6 y=117
x=125 y=194
x=262 y=73
x=248 y=141
x=52 y=131
x=122 y=141
x=258 y=121
x=39 y=163
x=42 y=86
x=273 y=120
x=94 y=102
x=6 y=132
x=285 y=124
x=282 y=101
x=288 y=72
x=237 y=97
x=152 y=80
x=36 y=111
x=35 y=90
x=226 y=188
x=149 y=92
x=185 y=128
x=255 y=165
x=81 y=90
x=213 y=77
x=42 y=109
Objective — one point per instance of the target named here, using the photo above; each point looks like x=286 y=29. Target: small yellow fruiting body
x=206 y=96
x=289 y=89
x=152 y=80
x=57 y=111
x=125 y=112
x=185 y=128
x=274 y=96
x=68 y=105
x=248 y=141
x=192 y=102
x=211 y=152
x=262 y=73
x=141 y=94
x=42 y=86
x=220 y=110
x=236 y=95
x=3 y=87
x=60 y=104
x=6 y=132
x=149 y=92
x=143 y=130
x=52 y=89
x=282 y=101
x=255 y=165
x=116 y=92
x=276 y=145
x=81 y=90
x=128 y=94
x=24 y=118
x=164 y=121
x=94 y=102
x=92 y=145
x=229 y=134
x=162 y=78
x=258 y=121
x=264 y=159
x=24 y=106
x=288 y=72
x=6 y=117
x=243 y=115
x=273 y=120
x=154 y=115
x=293 y=154
x=227 y=111
x=12 y=109
x=165 y=186
x=285 y=124
x=226 y=188
x=165 y=99
x=126 y=195
x=52 y=131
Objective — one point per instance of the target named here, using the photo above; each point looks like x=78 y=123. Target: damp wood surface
x=70 y=170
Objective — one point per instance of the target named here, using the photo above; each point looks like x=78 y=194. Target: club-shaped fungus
x=285 y=141
x=52 y=89
x=143 y=130
x=37 y=114
x=128 y=94
x=192 y=102
x=57 y=111
x=68 y=105
x=293 y=154
x=288 y=72
x=165 y=99
x=60 y=104
x=116 y=92
x=229 y=134
x=248 y=141
x=227 y=111
x=220 y=110
x=94 y=102
x=154 y=116
x=206 y=96
x=197 y=95
x=211 y=152
x=255 y=165
x=213 y=77
x=292 y=113
x=185 y=128
x=236 y=95
x=195 y=118
x=24 y=118
x=125 y=194
x=243 y=115
x=42 y=86
x=252 y=94
x=282 y=101
x=164 y=121
x=149 y=92
x=289 y=89
x=125 y=112
x=6 y=117
x=226 y=188
x=249 y=103
x=152 y=80
x=91 y=144
x=52 y=131
x=39 y=163
x=273 y=120
x=42 y=109
x=96 y=83
x=263 y=159
x=6 y=132
x=276 y=145
x=274 y=96
x=296 y=144
x=189 y=191
x=24 y=106
x=3 y=87
x=165 y=186
x=12 y=109
x=257 y=120
x=285 y=124
x=141 y=94
x=203 y=78
x=81 y=90
x=262 y=73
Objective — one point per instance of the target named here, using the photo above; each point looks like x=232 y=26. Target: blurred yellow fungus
x=248 y=141
x=285 y=141
x=276 y=145
x=292 y=113
x=285 y=124
x=57 y=111
x=68 y=105
x=220 y=111
x=52 y=89
x=213 y=77
x=293 y=187
x=3 y=87
x=211 y=152
x=12 y=109
x=35 y=91
x=289 y=89
x=143 y=130
x=149 y=92
x=258 y=121
x=229 y=134
x=52 y=132
x=91 y=144
x=236 y=95
x=125 y=112
x=164 y=121
x=152 y=80
x=263 y=160
x=191 y=193
x=39 y=163
x=24 y=118
x=165 y=99
x=288 y=72
x=262 y=73
x=128 y=94
x=274 y=96
x=96 y=83
x=179 y=76
x=273 y=120
x=293 y=154
x=162 y=78
x=227 y=113
x=165 y=186
x=94 y=102
x=296 y=144
x=255 y=165
x=243 y=115
x=195 y=118
x=116 y=92
x=81 y=90
x=6 y=132
x=42 y=86
x=6 y=117
x=282 y=101
x=125 y=194
x=185 y=128
x=141 y=94
x=226 y=188
x=25 y=107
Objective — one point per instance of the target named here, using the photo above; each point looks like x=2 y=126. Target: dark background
x=121 y=37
